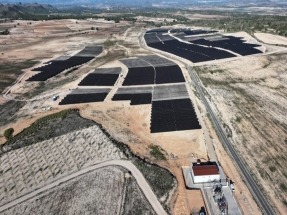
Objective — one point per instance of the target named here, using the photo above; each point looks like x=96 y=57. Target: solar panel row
x=154 y=75
x=95 y=79
x=234 y=44
x=83 y=98
x=136 y=99
x=173 y=115
x=56 y=67
x=140 y=76
x=196 y=52
x=191 y=52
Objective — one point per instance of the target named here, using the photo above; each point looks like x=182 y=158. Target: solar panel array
x=191 y=52
x=201 y=49
x=102 y=77
x=173 y=115
x=155 y=60
x=168 y=74
x=137 y=95
x=79 y=96
x=140 y=76
x=153 y=75
x=135 y=98
x=172 y=109
x=57 y=66
x=234 y=44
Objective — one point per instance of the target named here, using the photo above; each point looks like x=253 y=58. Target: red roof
x=205 y=170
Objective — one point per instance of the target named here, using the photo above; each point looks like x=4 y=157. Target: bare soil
x=271 y=38
x=125 y=123
x=250 y=96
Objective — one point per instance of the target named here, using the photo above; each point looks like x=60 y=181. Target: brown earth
x=250 y=96
x=128 y=124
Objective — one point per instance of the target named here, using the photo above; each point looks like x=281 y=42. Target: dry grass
x=250 y=96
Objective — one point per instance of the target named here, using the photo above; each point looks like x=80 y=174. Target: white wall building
x=205 y=172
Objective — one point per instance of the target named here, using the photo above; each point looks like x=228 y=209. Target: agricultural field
x=251 y=101
x=78 y=196
x=25 y=169
x=62 y=147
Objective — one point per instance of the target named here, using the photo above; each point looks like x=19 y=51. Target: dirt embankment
x=271 y=38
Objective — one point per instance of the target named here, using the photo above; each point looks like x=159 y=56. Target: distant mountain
x=21 y=9
x=143 y=3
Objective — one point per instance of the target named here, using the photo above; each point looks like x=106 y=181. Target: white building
x=203 y=172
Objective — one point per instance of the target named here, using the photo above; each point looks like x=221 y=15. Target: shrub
x=8 y=133
x=156 y=152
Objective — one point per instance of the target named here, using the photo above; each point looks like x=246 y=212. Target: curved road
x=151 y=197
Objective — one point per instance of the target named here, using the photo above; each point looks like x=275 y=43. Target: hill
x=20 y=10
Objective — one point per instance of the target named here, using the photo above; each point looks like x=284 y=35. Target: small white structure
x=203 y=172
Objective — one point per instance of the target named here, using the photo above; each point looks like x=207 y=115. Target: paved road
x=253 y=187
x=151 y=197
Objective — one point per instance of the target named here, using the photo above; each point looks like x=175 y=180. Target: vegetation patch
x=135 y=201
x=8 y=133
x=161 y=180
x=8 y=111
x=157 y=152
x=48 y=127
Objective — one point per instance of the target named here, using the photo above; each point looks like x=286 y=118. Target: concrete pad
x=169 y=92
x=134 y=90
x=89 y=90
x=155 y=60
x=134 y=62
x=116 y=70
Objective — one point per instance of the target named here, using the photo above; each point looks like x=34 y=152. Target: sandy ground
x=155 y=20
x=195 y=200
x=25 y=39
x=203 y=16
x=252 y=103
x=128 y=124
x=271 y=38
x=242 y=194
